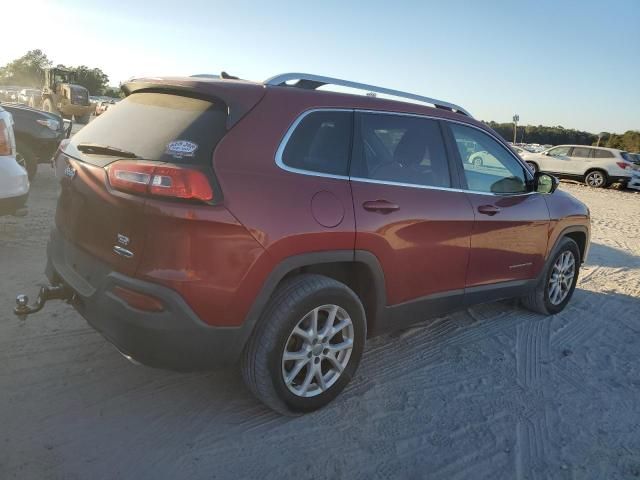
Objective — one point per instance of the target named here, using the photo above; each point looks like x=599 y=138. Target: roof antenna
x=226 y=76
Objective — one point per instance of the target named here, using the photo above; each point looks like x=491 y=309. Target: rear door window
x=400 y=149
x=155 y=126
x=321 y=143
x=603 y=154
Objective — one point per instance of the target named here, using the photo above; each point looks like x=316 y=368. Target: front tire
x=556 y=286
x=48 y=106
x=306 y=346
x=477 y=161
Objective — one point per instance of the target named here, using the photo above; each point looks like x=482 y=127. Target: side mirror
x=545 y=183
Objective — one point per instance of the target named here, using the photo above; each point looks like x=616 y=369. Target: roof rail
x=312 y=82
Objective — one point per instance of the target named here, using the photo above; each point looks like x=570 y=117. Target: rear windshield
x=157 y=126
x=626 y=156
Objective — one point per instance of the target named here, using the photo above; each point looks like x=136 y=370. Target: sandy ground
x=490 y=392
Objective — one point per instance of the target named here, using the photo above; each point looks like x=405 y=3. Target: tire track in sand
x=532 y=429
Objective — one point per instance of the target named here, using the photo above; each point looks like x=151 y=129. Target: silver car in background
x=14 y=182
x=598 y=167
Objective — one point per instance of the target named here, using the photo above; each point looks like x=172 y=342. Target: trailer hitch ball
x=47 y=292
x=22 y=307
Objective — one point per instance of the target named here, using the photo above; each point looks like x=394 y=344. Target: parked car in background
x=9 y=94
x=484 y=158
x=104 y=105
x=14 y=182
x=37 y=135
x=301 y=222
x=29 y=96
x=598 y=167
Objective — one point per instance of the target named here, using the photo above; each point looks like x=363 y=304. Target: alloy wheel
x=561 y=280
x=595 y=179
x=317 y=351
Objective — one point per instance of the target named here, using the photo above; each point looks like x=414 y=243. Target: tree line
x=629 y=141
x=28 y=71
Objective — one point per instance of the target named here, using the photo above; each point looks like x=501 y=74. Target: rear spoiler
x=239 y=96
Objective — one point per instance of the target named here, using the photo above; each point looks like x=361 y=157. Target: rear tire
x=83 y=119
x=285 y=350
x=533 y=166
x=546 y=298
x=477 y=161
x=597 y=179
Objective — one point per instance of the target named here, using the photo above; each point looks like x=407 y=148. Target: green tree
x=27 y=70
x=114 y=92
x=544 y=135
x=93 y=79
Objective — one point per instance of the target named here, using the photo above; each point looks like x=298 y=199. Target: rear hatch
x=149 y=127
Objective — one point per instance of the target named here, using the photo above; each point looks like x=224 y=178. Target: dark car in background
x=38 y=135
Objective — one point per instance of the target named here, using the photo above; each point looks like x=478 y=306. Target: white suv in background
x=14 y=181
x=597 y=166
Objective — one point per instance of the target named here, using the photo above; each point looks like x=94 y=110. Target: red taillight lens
x=160 y=180
x=623 y=165
x=5 y=140
x=139 y=300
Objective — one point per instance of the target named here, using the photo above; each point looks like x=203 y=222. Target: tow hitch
x=47 y=292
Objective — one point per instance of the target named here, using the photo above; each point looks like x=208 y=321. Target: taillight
x=6 y=147
x=160 y=180
x=623 y=165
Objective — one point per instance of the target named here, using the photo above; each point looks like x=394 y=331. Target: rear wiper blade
x=95 y=149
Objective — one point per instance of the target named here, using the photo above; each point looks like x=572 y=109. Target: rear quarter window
x=159 y=126
x=321 y=142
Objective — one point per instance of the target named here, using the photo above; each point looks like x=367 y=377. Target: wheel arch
x=597 y=169
x=360 y=270
x=577 y=233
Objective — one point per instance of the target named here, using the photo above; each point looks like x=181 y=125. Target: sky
x=563 y=62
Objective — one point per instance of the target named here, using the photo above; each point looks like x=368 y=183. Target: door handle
x=490 y=210
x=380 y=206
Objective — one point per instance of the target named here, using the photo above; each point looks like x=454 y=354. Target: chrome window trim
x=285 y=140
x=287 y=137
x=429 y=187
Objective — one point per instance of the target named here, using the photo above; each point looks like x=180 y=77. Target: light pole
x=600 y=135
x=516 y=117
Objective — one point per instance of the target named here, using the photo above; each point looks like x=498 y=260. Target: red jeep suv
x=207 y=221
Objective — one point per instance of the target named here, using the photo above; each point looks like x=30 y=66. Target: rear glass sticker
x=181 y=148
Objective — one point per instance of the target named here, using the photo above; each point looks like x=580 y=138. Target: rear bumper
x=174 y=338
x=619 y=179
x=9 y=206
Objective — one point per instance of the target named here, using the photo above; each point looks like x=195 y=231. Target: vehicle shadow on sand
x=606 y=256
